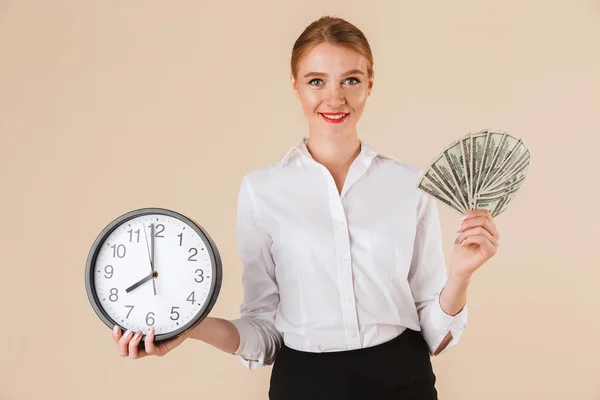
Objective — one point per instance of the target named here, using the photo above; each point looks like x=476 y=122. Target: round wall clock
x=153 y=267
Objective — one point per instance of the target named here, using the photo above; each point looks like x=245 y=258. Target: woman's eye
x=320 y=80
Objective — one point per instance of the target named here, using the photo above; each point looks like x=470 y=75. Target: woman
x=345 y=287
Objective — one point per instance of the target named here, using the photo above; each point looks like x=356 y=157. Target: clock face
x=154 y=270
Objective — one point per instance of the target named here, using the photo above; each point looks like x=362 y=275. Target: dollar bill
x=506 y=146
x=443 y=170
x=516 y=167
x=505 y=203
x=490 y=204
x=455 y=160
x=435 y=179
x=505 y=198
x=431 y=188
x=491 y=146
x=466 y=143
x=519 y=174
x=501 y=191
x=479 y=139
x=513 y=157
x=481 y=170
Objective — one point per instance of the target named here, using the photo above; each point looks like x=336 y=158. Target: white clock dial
x=183 y=274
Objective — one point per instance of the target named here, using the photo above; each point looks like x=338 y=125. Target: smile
x=334 y=118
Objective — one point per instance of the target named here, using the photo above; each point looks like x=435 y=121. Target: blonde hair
x=335 y=31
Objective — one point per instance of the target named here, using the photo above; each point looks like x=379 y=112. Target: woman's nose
x=336 y=98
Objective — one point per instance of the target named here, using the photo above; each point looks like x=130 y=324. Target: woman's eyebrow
x=351 y=72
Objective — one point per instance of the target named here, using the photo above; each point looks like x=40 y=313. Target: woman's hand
x=127 y=344
x=477 y=242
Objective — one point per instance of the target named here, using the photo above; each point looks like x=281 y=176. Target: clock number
x=117 y=250
x=180 y=236
x=131 y=235
x=114 y=292
x=127 y=317
x=150 y=318
x=191 y=298
x=107 y=271
x=173 y=311
x=157 y=232
x=196 y=252
x=201 y=276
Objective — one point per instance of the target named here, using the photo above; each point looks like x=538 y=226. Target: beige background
x=108 y=106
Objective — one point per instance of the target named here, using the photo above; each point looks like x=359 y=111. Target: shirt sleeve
x=428 y=276
x=259 y=339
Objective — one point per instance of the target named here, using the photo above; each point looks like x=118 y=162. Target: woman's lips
x=335 y=119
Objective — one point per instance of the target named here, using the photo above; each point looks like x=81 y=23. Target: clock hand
x=150 y=256
x=148 y=248
x=152 y=259
x=141 y=281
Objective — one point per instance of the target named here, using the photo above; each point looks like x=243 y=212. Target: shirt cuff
x=242 y=353
x=445 y=323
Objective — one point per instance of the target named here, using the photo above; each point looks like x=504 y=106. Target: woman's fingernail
x=138 y=334
x=128 y=333
x=116 y=329
x=463 y=218
x=459 y=227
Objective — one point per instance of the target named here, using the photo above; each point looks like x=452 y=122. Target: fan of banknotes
x=482 y=170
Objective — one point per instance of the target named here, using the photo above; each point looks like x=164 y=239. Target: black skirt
x=399 y=369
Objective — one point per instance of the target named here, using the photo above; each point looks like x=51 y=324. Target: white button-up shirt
x=324 y=271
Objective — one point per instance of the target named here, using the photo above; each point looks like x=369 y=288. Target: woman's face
x=332 y=79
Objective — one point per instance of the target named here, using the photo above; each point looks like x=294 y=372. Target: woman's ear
x=294 y=86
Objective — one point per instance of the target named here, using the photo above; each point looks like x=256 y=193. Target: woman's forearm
x=454 y=294
x=217 y=332
x=452 y=300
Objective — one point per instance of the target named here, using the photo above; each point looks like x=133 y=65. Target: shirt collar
x=300 y=148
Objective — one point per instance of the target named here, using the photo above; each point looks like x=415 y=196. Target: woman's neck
x=334 y=152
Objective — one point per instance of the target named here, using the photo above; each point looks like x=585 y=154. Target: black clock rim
x=217 y=270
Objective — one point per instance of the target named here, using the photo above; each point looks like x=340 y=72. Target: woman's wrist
x=217 y=332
